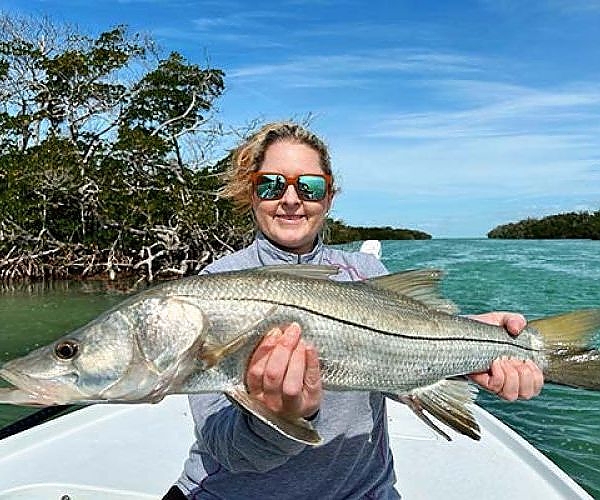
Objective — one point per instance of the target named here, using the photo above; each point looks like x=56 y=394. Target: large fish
x=391 y=334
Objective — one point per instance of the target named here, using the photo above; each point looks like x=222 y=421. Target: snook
x=391 y=334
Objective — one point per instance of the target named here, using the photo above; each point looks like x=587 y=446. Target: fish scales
x=366 y=339
x=352 y=303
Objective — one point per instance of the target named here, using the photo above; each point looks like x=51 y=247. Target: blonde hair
x=249 y=156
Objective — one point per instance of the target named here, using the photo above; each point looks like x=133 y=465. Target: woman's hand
x=510 y=379
x=284 y=374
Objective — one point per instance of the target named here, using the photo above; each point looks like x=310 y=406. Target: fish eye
x=67 y=349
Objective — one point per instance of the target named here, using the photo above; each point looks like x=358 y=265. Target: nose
x=290 y=196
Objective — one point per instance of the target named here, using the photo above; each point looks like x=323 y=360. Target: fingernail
x=275 y=332
x=292 y=331
x=290 y=334
x=268 y=341
x=272 y=336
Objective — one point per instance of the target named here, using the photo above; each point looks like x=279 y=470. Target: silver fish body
x=194 y=335
x=367 y=338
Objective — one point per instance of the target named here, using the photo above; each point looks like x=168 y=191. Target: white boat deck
x=127 y=452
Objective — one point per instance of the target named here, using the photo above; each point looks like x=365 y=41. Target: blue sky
x=448 y=117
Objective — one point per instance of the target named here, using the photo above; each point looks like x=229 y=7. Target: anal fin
x=447 y=401
x=299 y=429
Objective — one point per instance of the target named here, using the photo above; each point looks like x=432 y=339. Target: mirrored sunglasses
x=309 y=187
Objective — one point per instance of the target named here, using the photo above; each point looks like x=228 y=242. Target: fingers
x=284 y=373
x=313 y=385
x=277 y=364
x=538 y=377
x=312 y=374
x=531 y=379
x=293 y=381
x=258 y=361
x=512 y=379
x=497 y=377
x=492 y=380
x=514 y=323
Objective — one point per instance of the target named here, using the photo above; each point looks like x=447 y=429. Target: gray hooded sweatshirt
x=236 y=456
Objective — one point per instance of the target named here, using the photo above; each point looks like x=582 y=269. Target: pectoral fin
x=447 y=401
x=213 y=354
x=297 y=429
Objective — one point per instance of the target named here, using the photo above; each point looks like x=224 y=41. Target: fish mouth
x=24 y=390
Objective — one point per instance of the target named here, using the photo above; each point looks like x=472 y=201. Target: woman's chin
x=292 y=242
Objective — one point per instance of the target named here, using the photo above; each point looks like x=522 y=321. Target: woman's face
x=290 y=222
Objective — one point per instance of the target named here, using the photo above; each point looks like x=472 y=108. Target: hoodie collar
x=268 y=254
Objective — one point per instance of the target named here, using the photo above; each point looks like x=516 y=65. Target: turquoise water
x=34 y=315
x=534 y=277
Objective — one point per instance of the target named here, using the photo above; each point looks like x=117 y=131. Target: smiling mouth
x=290 y=217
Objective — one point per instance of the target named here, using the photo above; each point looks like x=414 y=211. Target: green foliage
x=174 y=94
x=572 y=225
x=99 y=149
x=41 y=188
x=337 y=232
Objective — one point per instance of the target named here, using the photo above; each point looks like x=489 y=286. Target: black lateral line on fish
x=388 y=333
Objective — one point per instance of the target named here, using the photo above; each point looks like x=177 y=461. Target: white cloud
x=246 y=21
x=513 y=111
x=360 y=67
x=534 y=155
x=461 y=165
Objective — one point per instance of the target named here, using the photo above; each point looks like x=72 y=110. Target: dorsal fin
x=421 y=285
x=299 y=270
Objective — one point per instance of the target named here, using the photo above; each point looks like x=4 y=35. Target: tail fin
x=571 y=358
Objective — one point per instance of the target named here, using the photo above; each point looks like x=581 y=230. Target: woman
x=283 y=175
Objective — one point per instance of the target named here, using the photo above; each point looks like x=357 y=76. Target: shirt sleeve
x=237 y=440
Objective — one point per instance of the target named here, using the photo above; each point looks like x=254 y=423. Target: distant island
x=338 y=232
x=572 y=225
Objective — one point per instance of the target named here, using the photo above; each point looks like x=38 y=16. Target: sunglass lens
x=270 y=186
x=312 y=187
